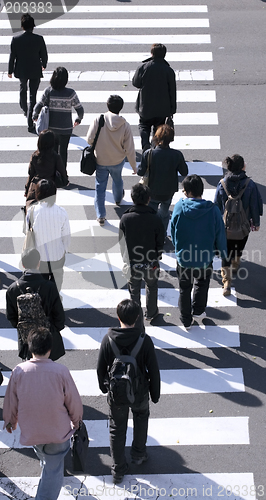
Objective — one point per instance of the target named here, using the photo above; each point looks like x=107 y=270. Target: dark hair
x=234 y=163
x=45 y=140
x=128 y=311
x=140 y=194
x=193 y=184
x=158 y=51
x=115 y=103
x=30 y=258
x=27 y=22
x=40 y=341
x=46 y=190
x=59 y=78
x=163 y=135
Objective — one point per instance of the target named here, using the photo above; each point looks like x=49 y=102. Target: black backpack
x=30 y=313
x=236 y=223
x=126 y=381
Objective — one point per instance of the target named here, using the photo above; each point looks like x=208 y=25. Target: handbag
x=145 y=179
x=29 y=241
x=43 y=118
x=79 y=447
x=88 y=160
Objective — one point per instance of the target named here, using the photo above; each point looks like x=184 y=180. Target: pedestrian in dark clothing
x=198 y=233
x=51 y=303
x=44 y=164
x=28 y=57
x=235 y=180
x=126 y=338
x=141 y=239
x=60 y=100
x=157 y=95
x=164 y=166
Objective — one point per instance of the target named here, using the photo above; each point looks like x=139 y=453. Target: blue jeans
x=163 y=211
x=52 y=463
x=102 y=174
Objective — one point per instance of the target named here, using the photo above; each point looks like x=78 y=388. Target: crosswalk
x=101 y=56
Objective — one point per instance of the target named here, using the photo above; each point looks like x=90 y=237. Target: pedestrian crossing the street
x=101 y=47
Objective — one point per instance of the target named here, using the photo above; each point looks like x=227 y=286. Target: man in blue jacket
x=198 y=232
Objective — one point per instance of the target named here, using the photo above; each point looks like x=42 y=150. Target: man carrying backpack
x=128 y=377
x=34 y=300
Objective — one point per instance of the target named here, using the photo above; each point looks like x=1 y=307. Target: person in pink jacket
x=42 y=398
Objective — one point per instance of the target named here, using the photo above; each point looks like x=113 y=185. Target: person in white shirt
x=52 y=231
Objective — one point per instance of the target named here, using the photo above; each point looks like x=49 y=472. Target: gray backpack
x=30 y=312
x=236 y=223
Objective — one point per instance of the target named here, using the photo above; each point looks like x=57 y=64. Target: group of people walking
x=200 y=230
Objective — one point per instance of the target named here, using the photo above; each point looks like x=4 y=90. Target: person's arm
x=66 y=233
x=153 y=369
x=12 y=59
x=182 y=166
x=102 y=366
x=172 y=91
x=92 y=131
x=10 y=408
x=79 y=109
x=255 y=206
x=129 y=147
x=142 y=168
x=137 y=78
x=43 y=54
x=73 y=401
x=218 y=198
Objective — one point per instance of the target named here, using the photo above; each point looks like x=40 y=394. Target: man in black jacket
x=28 y=57
x=126 y=338
x=51 y=303
x=157 y=95
x=141 y=239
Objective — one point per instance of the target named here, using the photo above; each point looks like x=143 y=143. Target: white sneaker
x=200 y=316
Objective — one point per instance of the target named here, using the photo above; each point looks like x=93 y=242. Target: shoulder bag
x=43 y=118
x=88 y=160
x=145 y=179
x=29 y=241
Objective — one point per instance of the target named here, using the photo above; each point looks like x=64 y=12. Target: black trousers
x=234 y=249
x=61 y=145
x=197 y=279
x=33 y=87
x=145 y=128
x=118 y=418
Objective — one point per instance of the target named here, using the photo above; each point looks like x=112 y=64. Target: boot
x=226 y=274
x=235 y=264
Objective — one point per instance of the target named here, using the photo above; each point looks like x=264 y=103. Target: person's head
x=115 y=103
x=30 y=258
x=46 y=190
x=235 y=164
x=46 y=140
x=27 y=22
x=128 y=312
x=193 y=186
x=158 y=51
x=163 y=135
x=140 y=194
x=59 y=78
x=40 y=341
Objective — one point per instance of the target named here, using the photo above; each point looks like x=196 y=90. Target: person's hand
x=257 y=228
x=10 y=76
x=134 y=171
x=10 y=427
x=75 y=124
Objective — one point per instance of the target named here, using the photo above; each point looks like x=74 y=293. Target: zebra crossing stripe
x=163 y=432
x=164 y=337
x=120 y=23
x=191 y=381
x=151 y=486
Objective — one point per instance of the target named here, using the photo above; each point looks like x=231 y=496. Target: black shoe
x=32 y=130
x=118 y=478
x=140 y=460
x=150 y=318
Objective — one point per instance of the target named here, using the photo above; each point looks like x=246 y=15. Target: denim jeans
x=33 y=87
x=102 y=174
x=199 y=280
x=52 y=462
x=118 y=417
x=162 y=211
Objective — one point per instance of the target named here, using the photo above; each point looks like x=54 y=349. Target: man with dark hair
x=125 y=338
x=114 y=144
x=157 y=95
x=141 y=239
x=27 y=59
x=198 y=233
x=51 y=302
x=42 y=398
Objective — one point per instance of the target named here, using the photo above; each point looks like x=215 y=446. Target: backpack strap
x=240 y=194
x=135 y=349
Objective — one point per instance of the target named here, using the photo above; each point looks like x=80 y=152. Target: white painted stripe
x=192 y=381
x=95 y=299
x=73 y=169
x=237 y=485
x=107 y=76
x=78 y=197
x=76 y=142
x=93 y=96
x=164 y=432
x=134 y=9
x=16 y=120
x=215 y=485
x=167 y=337
x=109 y=57
x=94 y=23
